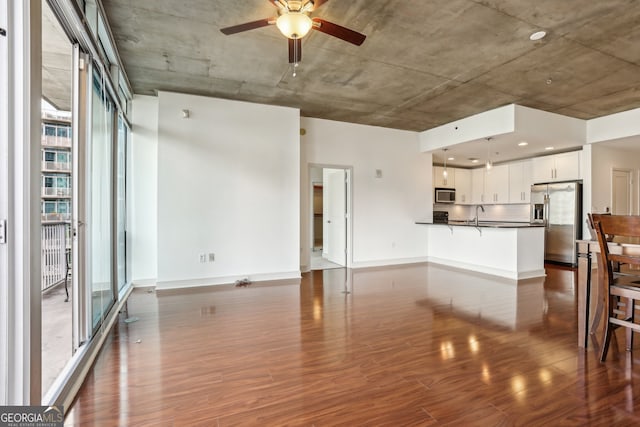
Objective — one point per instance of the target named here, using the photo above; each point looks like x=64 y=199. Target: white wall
x=604 y=159
x=142 y=191
x=228 y=184
x=384 y=209
x=614 y=126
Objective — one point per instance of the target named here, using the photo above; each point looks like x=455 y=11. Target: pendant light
x=445 y=174
x=489 y=165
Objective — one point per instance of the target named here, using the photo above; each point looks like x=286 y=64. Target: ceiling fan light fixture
x=294 y=25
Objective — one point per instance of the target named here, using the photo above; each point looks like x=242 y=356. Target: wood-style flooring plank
x=418 y=345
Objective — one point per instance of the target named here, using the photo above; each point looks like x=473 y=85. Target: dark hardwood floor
x=408 y=346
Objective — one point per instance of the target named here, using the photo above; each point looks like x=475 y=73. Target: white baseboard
x=144 y=283
x=509 y=274
x=386 y=262
x=226 y=280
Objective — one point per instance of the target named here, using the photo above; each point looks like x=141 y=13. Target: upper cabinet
x=477 y=186
x=520 y=182
x=496 y=185
x=439 y=180
x=463 y=186
x=558 y=167
x=507 y=183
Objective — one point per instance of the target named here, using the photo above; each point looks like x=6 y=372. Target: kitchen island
x=514 y=250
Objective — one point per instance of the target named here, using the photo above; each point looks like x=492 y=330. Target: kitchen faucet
x=476 y=218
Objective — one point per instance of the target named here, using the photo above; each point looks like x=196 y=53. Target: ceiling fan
x=294 y=22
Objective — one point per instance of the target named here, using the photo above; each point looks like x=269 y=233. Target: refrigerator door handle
x=546 y=211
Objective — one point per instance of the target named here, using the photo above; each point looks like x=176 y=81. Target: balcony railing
x=55 y=216
x=56 y=166
x=54 y=258
x=56 y=192
x=56 y=141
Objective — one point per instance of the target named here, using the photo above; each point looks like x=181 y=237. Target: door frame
x=349 y=206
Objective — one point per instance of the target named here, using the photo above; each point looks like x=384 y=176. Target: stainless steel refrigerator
x=559 y=207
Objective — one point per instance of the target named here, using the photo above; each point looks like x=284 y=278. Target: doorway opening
x=330 y=207
x=57 y=199
x=621 y=190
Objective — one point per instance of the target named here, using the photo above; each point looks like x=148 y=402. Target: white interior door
x=621 y=192
x=336 y=220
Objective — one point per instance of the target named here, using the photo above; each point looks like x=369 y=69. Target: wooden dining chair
x=617 y=285
x=599 y=303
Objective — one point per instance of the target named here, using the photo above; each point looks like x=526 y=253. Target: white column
x=20 y=298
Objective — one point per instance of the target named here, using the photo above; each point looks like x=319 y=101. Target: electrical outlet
x=212 y=257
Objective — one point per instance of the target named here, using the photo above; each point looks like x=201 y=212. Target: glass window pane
x=121 y=203
x=50 y=130
x=49 y=156
x=49 y=207
x=62 y=182
x=101 y=202
x=63 y=157
x=48 y=181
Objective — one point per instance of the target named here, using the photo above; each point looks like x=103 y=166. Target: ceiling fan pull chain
x=295 y=55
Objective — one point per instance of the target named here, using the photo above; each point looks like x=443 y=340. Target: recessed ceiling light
x=523 y=143
x=548 y=148
x=474 y=160
x=538 y=35
x=451 y=158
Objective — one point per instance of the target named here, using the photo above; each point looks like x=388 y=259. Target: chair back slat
x=607 y=227
x=618 y=225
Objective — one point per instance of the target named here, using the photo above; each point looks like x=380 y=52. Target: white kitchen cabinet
x=568 y=166
x=496 y=185
x=520 y=182
x=558 y=167
x=440 y=181
x=477 y=186
x=463 y=186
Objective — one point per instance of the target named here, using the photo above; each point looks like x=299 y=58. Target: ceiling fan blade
x=247 y=26
x=281 y=4
x=295 y=50
x=317 y=3
x=338 y=31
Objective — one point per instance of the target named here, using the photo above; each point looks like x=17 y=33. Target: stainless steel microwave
x=445 y=195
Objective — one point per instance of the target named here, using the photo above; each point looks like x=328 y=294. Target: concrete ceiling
x=56 y=61
x=423 y=64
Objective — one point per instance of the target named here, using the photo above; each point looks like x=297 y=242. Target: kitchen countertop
x=484 y=224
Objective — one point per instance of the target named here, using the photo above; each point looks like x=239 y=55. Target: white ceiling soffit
x=497 y=134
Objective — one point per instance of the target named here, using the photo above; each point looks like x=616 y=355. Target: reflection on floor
x=410 y=345
x=57 y=346
x=56 y=334
x=320 y=263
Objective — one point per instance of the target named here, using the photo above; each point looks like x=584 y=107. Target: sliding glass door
x=101 y=177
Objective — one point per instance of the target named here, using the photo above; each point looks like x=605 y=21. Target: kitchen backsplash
x=510 y=213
